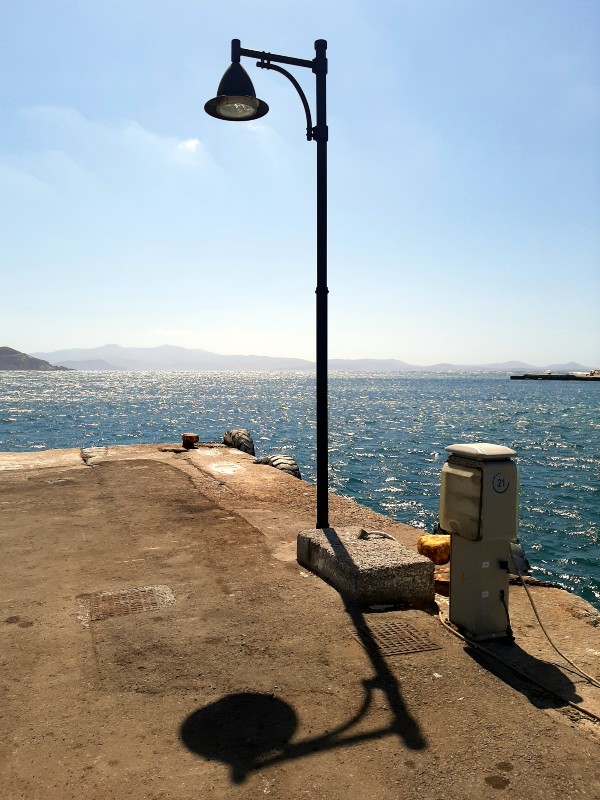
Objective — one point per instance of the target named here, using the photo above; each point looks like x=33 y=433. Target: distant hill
x=92 y=365
x=572 y=366
x=171 y=358
x=393 y=365
x=15 y=360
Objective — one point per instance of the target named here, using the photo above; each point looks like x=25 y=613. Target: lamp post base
x=367 y=568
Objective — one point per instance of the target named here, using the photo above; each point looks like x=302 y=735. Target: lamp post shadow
x=250 y=731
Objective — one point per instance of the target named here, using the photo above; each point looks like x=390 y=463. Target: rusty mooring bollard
x=189 y=440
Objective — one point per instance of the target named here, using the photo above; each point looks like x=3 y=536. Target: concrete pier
x=160 y=640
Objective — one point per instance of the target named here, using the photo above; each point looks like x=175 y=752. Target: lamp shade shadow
x=239 y=730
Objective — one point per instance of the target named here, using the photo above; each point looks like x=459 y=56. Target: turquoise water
x=387 y=437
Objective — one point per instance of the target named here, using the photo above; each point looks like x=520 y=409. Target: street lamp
x=236 y=101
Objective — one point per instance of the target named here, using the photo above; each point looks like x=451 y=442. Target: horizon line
x=499 y=364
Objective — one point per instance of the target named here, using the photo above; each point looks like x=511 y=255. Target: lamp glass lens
x=238 y=107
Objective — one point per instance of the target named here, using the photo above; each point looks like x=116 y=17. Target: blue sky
x=464 y=179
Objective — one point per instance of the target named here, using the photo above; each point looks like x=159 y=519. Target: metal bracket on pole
x=266 y=64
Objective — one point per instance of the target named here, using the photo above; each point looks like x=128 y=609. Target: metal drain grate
x=118 y=603
x=395 y=638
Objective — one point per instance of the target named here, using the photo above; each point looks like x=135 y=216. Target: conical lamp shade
x=236 y=99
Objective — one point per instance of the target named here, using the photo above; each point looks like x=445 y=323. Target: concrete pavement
x=159 y=640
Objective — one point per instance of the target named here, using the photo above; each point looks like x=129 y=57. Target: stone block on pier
x=367 y=567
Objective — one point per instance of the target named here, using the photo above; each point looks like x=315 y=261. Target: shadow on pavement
x=561 y=689
x=251 y=731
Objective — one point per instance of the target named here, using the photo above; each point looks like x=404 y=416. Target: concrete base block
x=368 y=568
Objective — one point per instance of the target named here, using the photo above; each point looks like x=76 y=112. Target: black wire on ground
x=518 y=671
x=509 y=630
x=594 y=681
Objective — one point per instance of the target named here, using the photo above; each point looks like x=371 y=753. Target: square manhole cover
x=102 y=605
x=395 y=638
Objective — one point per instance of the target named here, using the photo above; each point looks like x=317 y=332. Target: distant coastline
x=15 y=361
x=168 y=358
x=591 y=375
x=114 y=357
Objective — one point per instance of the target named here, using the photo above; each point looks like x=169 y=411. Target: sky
x=463 y=176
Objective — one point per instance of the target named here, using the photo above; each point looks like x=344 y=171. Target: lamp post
x=236 y=101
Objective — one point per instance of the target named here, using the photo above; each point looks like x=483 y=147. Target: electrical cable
x=515 y=669
x=594 y=681
x=509 y=631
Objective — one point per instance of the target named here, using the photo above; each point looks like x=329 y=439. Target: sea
x=388 y=433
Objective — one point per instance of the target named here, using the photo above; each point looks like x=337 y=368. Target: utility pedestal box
x=479 y=508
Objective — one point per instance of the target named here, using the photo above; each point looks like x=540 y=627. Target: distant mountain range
x=15 y=361
x=171 y=358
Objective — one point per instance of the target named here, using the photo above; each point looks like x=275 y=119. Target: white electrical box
x=479 y=495
x=479 y=508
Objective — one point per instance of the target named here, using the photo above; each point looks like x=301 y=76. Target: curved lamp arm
x=265 y=64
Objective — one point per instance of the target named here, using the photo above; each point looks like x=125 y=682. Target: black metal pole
x=321 y=135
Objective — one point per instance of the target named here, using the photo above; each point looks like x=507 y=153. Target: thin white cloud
x=107 y=168
x=190 y=145
x=87 y=141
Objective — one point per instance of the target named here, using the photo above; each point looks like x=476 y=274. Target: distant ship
x=592 y=375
